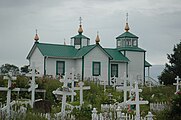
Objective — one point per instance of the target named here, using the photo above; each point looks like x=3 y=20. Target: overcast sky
x=156 y=22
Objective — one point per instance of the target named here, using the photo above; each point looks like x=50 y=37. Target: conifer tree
x=172 y=69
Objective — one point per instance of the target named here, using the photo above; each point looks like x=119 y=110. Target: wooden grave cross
x=8 y=77
x=66 y=91
x=81 y=88
x=125 y=88
x=137 y=102
x=177 y=84
x=33 y=84
x=73 y=80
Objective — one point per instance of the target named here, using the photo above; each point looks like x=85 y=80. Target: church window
x=128 y=42
x=77 y=42
x=119 y=43
x=114 y=70
x=96 y=68
x=60 y=68
x=134 y=42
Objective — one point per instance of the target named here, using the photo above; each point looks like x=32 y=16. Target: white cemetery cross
x=9 y=77
x=81 y=88
x=177 y=84
x=33 y=84
x=137 y=102
x=126 y=88
x=65 y=92
x=73 y=81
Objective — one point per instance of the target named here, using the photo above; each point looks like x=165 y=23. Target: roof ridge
x=56 y=44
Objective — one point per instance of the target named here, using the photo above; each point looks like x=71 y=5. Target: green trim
x=109 y=72
x=144 y=70
x=99 y=72
x=82 y=68
x=45 y=65
x=116 y=65
x=136 y=49
x=127 y=70
x=147 y=64
x=127 y=35
x=57 y=67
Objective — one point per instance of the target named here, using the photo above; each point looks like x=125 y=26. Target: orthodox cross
x=81 y=88
x=66 y=91
x=33 y=84
x=177 y=84
x=8 y=77
x=137 y=102
x=80 y=19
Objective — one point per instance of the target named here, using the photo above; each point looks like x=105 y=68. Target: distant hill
x=155 y=71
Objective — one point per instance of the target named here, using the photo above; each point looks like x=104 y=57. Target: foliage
x=25 y=69
x=49 y=85
x=174 y=68
x=174 y=113
x=158 y=94
x=8 y=67
x=83 y=114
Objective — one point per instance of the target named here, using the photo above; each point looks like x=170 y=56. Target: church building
x=91 y=60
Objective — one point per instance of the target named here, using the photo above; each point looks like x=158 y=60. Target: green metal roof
x=116 y=55
x=127 y=35
x=56 y=50
x=80 y=36
x=64 y=51
x=131 y=48
x=147 y=64
x=84 y=50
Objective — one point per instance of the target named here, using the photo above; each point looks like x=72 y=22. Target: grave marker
x=33 y=84
x=137 y=102
x=8 y=77
x=81 y=88
x=178 y=83
x=66 y=91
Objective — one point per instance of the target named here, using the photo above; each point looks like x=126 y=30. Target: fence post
x=94 y=114
x=149 y=116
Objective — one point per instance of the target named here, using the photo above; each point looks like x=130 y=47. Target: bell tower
x=80 y=40
x=127 y=39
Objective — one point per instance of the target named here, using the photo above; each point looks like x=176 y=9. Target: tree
x=25 y=69
x=8 y=67
x=172 y=69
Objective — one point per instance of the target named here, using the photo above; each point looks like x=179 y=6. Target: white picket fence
x=159 y=106
x=118 y=116
x=17 y=108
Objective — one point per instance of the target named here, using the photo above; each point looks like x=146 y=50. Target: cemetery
x=68 y=98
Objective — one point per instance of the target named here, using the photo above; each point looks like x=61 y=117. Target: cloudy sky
x=156 y=22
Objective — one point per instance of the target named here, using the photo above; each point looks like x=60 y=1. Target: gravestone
x=42 y=106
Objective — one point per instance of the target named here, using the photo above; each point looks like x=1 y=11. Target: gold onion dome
x=97 y=39
x=127 y=27
x=80 y=29
x=36 y=38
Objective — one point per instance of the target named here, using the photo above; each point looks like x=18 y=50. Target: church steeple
x=97 y=38
x=80 y=31
x=127 y=26
x=36 y=38
x=80 y=40
x=127 y=39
